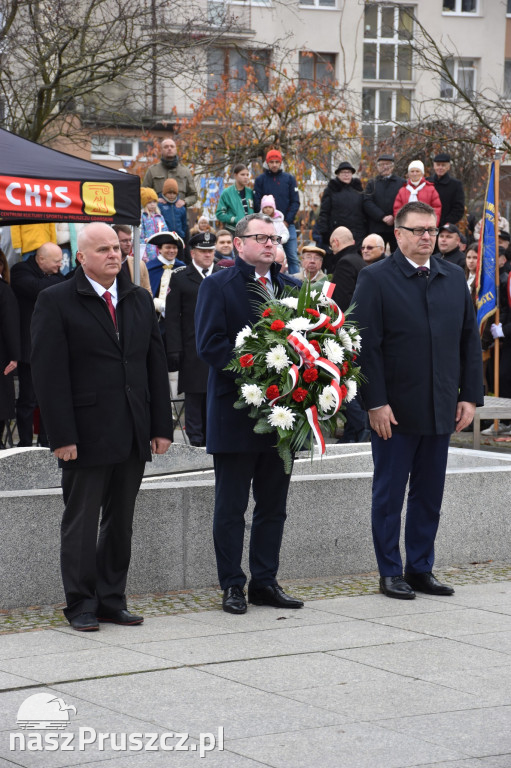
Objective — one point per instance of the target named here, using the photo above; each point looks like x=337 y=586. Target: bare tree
x=95 y=59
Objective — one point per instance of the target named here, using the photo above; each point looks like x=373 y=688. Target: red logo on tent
x=19 y=194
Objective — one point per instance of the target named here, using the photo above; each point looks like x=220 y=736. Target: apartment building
x=366 y=46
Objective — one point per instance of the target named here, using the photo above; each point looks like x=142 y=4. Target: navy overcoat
x=421 y=351
x=227 y=303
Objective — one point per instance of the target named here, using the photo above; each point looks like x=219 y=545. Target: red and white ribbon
x=294 y=376
x=304 y=348
x=326 y=292
x=338 y=401
x=312 y=418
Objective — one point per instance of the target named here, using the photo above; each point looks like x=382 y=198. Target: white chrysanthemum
x=327 y=399
x=282 y=417
x=276 y=358
x=299 y=324
x=252 y=394
x=333 y=351
x=351 y=386
x=356 y=340
x=290 y=301
x=313 y=294
x=243 y=335
x=345 y=339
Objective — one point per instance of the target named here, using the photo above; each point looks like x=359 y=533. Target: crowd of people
x=390 y=248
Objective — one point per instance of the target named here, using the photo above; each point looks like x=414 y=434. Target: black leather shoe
x=122 y=616
x=396 y=586
x=274 y=595
x=233 y=600
x=85 y=622
x=426 y=582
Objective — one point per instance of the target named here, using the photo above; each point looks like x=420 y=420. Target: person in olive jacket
x=342 y=205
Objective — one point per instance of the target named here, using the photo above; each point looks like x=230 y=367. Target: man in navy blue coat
x=274 y=181
x=227 y=302
x=421 y=357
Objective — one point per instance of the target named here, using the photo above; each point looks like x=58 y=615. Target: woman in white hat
x=417 y=188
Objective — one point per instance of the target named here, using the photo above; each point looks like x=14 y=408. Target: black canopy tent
x=39 y=184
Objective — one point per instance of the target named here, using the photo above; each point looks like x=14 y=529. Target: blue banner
x=486 y=287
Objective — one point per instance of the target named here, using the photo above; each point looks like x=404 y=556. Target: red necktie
x=263 y=280
x=108 y=298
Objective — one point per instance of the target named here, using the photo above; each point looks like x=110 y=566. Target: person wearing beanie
x=418 y=189
x=284 y=189
x=151 y=222
x=174 y=215
x=269 y=208
x=379 y=196
x=342 y=205
x=170 y=167
x=237 y=201
x=450 y=190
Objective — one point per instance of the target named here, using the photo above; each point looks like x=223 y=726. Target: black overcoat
x=421 y=351
x=226 y=304
x=379 y=196
x=452 y=197
x=9 y=348
x=180 y=328
x=104 y=393
x=27 y=282
x=342 y=205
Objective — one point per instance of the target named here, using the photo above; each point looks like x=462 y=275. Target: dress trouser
x=270 y=484
x=95 y=568
x=195 y=417
x=423 y=459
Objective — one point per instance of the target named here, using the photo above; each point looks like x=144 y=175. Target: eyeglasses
x=369 y=247
x=420 y=231
x=263 y=239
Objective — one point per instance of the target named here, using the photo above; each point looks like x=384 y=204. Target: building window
x=463 y=73
x=116 y=147
x=461 y=6
x=319 y=3
x=508 y=11
x=387 y=50
x=381 y=109
x=507 y=79
x=317 y=68
x=233 y=68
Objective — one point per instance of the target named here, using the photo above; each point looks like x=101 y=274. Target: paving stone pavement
x=352 y=680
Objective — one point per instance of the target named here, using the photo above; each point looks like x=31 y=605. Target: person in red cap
x=274 y=181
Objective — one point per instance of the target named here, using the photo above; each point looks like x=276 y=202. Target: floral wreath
x=296 y=367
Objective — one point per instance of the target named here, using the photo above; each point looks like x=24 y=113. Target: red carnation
x=311 y=374
x=345 y=368
x=299 y=395
x=272 y=392
x=246 y=361
x=313 y=312
x=267 y=312
x=316 y=346
x=344 y=391
x=277 y=325
x=353 y=358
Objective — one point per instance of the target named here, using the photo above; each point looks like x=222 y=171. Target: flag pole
x=497 y=141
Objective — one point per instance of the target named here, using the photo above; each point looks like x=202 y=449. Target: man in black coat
x=28 y=279
x=450 y=190
x=342 y=205
x=228 y=303
x=180 y=334
x=100 y=375
x=421 y=359
x=449 y=245
x=379 y=196
x=348 y=263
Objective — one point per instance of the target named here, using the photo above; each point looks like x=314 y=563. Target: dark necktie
x=422 y=272
x=108 y=298
x=205 y=272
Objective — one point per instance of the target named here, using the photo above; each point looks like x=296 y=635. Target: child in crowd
x=269 y=208
x=202 y=225
x=174 y=216
x=152 y=221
